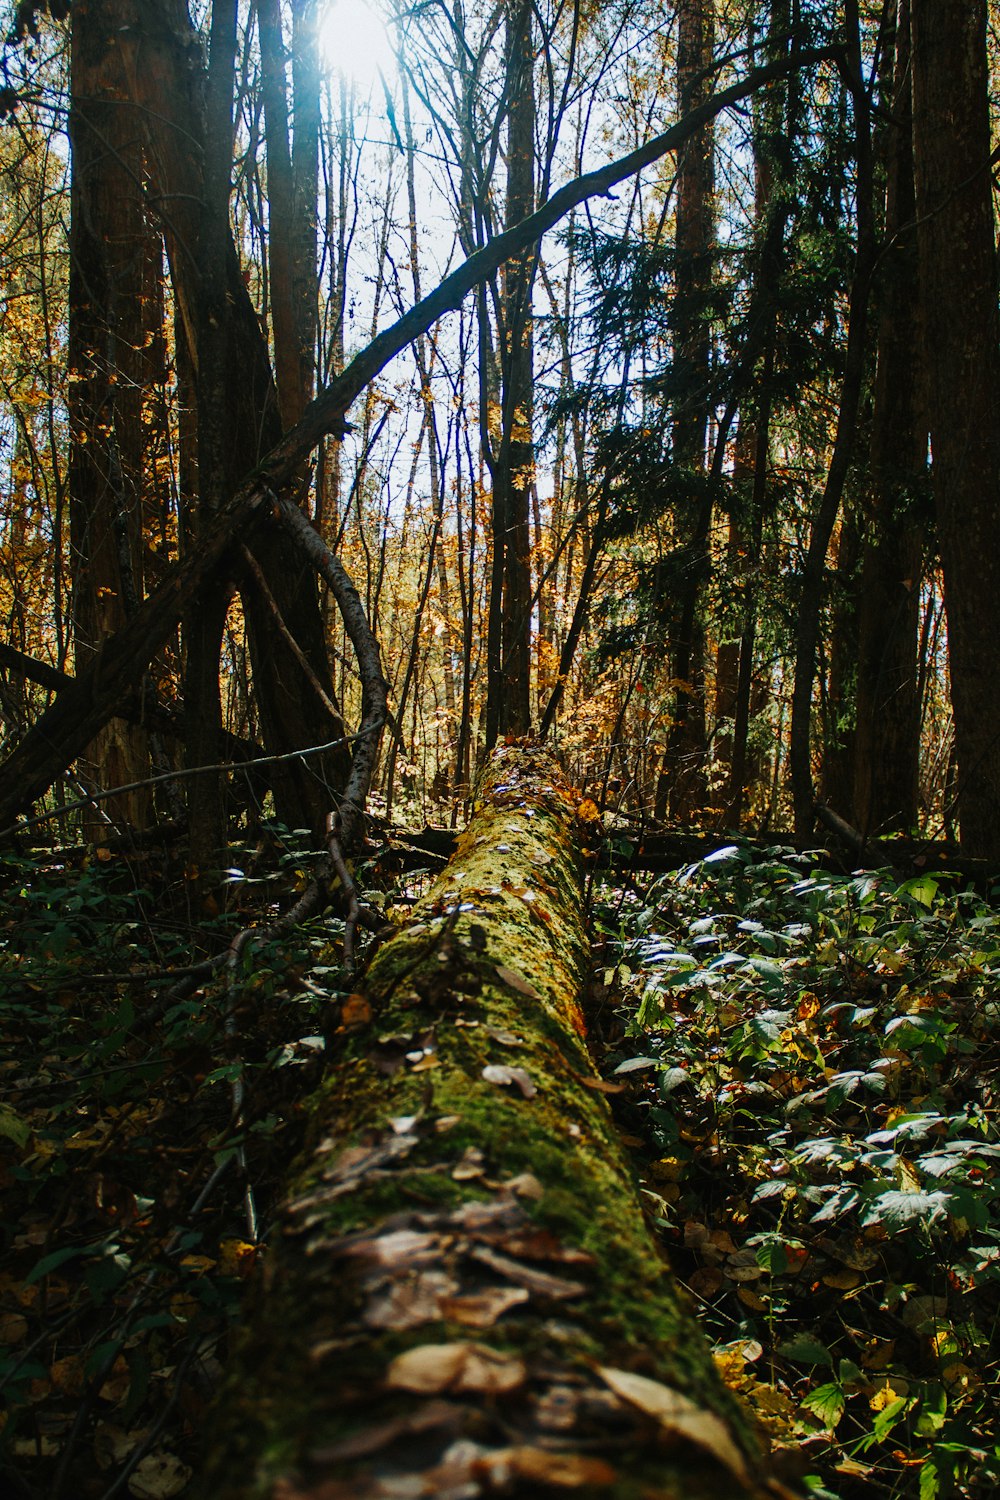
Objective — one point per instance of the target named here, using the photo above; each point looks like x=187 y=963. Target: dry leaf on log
x=432 y=1368
x=679 y=1416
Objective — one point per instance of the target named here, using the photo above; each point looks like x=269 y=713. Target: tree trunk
x=509 y=679
x=464 y=1296
x=841 y=678
x=113 y=250
x=887 y=746
x=681 y=783
x=810 y=604
x=239 y=421
x=777 y=124
x=958 y=273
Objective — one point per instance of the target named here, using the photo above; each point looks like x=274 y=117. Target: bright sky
x=354 y=41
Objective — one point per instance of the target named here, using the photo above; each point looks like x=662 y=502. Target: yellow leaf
x=890 y=1391
x=878 y=1354
x=236 y=1257
x=959 y=1378
x=199 y=1264
x=907 y=1176
x=808 y=1006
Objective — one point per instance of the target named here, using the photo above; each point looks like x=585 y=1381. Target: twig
x=243 y=765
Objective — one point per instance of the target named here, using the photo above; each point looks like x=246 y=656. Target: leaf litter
x=814 y=1093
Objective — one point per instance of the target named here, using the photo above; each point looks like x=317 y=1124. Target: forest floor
x=804 y=1064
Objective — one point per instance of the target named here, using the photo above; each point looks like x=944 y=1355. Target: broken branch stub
x=462 y=1296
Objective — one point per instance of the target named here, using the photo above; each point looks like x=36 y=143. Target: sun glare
x=354 y=42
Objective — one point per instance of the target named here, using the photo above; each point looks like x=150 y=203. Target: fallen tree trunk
x=463 y=1297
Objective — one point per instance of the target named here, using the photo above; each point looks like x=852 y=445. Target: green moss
x=487 y=957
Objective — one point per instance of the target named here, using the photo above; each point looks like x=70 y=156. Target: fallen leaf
x=540 y=1282
x=158 y=1476
x=706 y=1282
x=843 y=1281
x=603 y=1085
x=677 y=1414
x=878 y=1355
x=237 y=1257
x=525 y=1185
x=482 y=1309
x=695 y=1234
x=68 y=1375
x=517 y=982
x=958 y=1377
x=563 y=1471
x=36 y=1447
x=499 y=1073
x=410 y=1302
x=13 y=1328
x=852 y=1467
x=750 y=1299
x=925 y=1314
x=721 y=1239
x=13 y=1127
x=355 y=1011
x=889 y=1391
x=434 y=1415
x=431 y=1369
x=112 y=1444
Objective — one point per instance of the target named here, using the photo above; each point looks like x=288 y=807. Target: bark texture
x=681 y=786
x=114 y=254
x=463 y=1297
x=887 y=744
x=958 y=275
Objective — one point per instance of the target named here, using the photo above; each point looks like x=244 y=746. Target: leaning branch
x=327 y=412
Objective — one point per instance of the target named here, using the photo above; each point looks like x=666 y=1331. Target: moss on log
x=463 y=1297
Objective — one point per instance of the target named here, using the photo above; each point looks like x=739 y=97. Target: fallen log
x=463 y=1296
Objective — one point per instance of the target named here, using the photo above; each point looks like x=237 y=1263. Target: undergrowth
x=806 y=1066
x=811 y=1061
x=147 y=1117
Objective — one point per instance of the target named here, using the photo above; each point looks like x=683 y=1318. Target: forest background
x=660 y=486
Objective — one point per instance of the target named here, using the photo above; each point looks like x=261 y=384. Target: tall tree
x=811 y=593
x=508 y=708
x=681 y=783
x=189 y=121
x=958 y=276
x=887 y=743
x=115 y=256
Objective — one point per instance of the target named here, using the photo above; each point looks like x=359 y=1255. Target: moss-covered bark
x=463 y=1297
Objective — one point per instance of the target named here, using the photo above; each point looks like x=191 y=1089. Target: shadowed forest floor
x=803 y=1065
